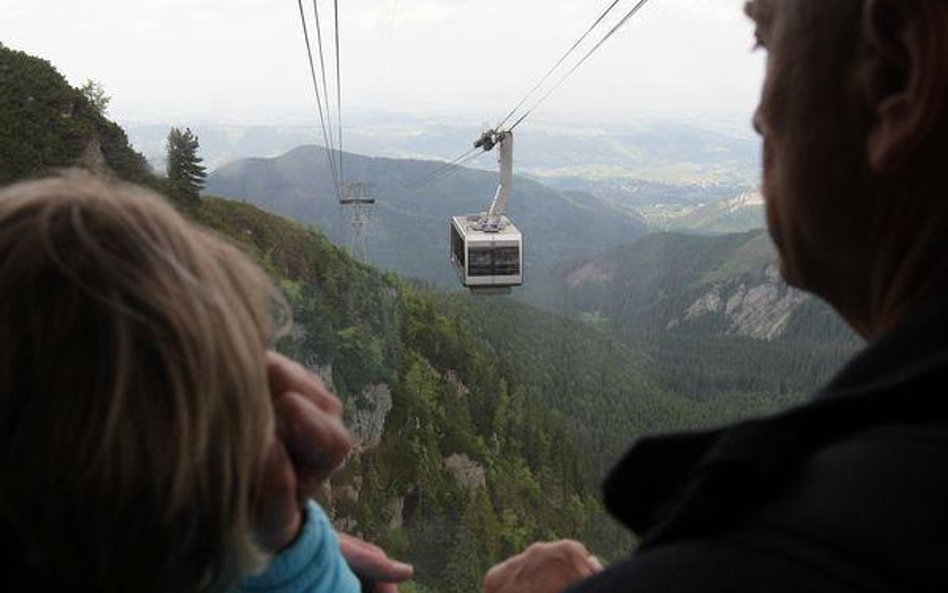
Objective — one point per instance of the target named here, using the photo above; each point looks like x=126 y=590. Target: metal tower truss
x=358 y=199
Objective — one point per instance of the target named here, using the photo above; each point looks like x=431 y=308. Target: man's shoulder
x=872 y=504
x=865 y=513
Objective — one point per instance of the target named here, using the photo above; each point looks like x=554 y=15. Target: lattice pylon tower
x=358 y=200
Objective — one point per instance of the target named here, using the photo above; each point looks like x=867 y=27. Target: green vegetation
x=46 y=125
x=185 y=173
x=502 y=418
x=452 y=396
x=96 y=95
x=648 y=295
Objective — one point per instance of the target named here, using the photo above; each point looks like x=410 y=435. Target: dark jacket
x=847 y=493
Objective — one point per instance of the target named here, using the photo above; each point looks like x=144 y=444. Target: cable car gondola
x=487 y=248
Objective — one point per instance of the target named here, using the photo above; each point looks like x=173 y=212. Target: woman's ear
x=907 y=77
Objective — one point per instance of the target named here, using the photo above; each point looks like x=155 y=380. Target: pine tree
x=186 y=175
x=96 y=95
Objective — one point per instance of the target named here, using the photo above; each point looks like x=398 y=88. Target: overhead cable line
x=460 y=164
x=388 y=42
x=477 y=151
x=319 y=103
x=322 y=68
x=338 y=89
x=447 y=168
x=322 y=65
x=559 y=83
x=559 y=63
x=468 y=159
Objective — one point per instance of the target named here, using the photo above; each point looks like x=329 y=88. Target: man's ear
x=907 y=77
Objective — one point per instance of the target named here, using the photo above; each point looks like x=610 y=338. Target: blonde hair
x=134 y=402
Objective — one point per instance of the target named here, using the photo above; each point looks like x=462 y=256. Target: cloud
x=244 y=59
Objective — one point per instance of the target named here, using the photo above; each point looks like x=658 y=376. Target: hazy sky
x=243 y=61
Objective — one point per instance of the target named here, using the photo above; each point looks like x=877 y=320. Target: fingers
x=317 y=442
x=596 y=564
x=575 y=554
x=500 y=574
x=277 y=519
x=309 y=422
x=371 y=562
x=543 y=568
x=288 y=375
x=310 y=443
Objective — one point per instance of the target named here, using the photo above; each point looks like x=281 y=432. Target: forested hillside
x=45 y=125
x=483 y=423
x=460 y=460
x=711 y=312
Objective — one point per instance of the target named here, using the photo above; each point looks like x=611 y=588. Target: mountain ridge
x=712 y=312
x=409 y=222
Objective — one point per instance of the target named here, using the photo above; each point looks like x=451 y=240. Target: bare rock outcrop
x=759 y=310
x=468 y=473
x=367 y=415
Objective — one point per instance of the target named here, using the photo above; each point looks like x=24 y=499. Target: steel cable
x=559 y=83
x=319 y=102
x=559 y=63
x=446 y=168
x=338 y=90
x=322 y=62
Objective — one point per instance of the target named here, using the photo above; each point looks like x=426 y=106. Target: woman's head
x=134 y=407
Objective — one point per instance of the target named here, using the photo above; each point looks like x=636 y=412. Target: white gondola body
x=489 y=261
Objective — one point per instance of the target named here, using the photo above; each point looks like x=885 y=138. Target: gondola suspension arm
x=504 y=142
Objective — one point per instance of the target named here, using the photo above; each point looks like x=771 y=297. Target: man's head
x=134 y=404
x=853 y=116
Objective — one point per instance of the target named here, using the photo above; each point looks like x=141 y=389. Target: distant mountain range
x=704 y=208
x=710 y=311
x=409 y=223
x=673 y=153
x=659 y=171
x=733 y=215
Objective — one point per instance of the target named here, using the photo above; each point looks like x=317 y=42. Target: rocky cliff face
x=467 y=472
x=365 y=413
x=366 y=417
x=753 y=308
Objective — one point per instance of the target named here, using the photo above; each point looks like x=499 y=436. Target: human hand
x=542 y=568
x=310 y=442
x=373 y=566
